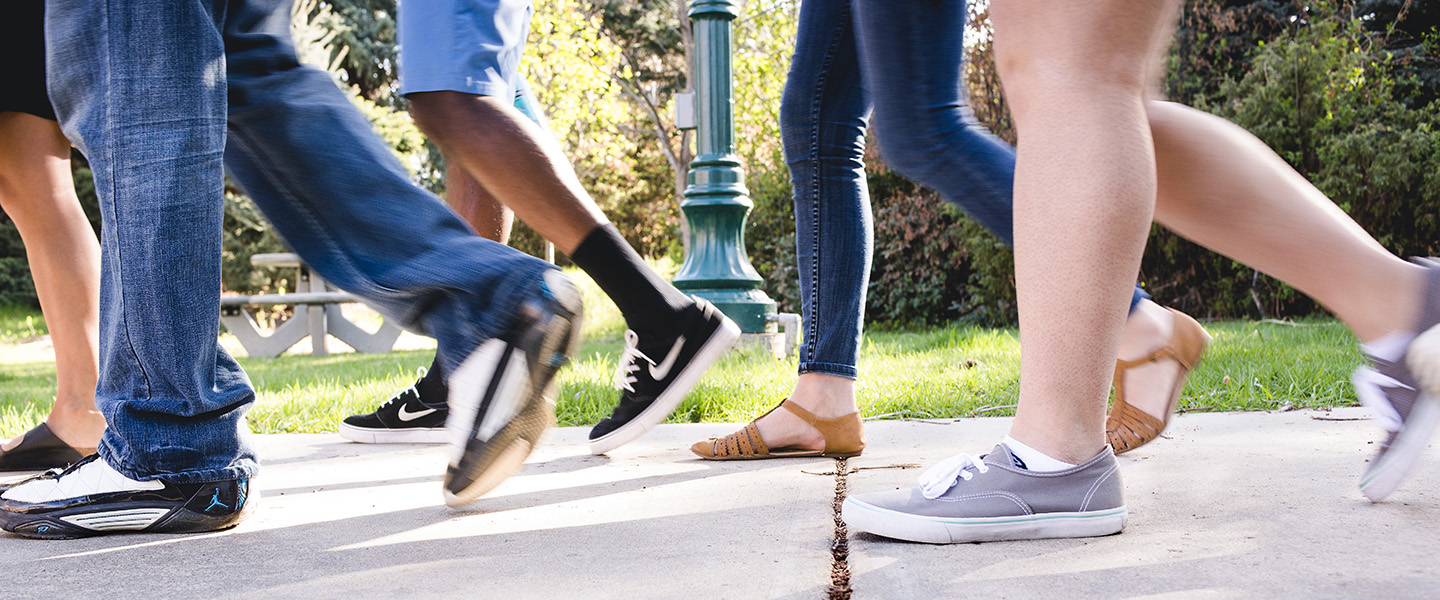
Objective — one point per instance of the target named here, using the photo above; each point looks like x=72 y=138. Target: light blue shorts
x=470 y=46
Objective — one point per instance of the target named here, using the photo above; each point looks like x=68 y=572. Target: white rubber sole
x=1423 y=359
x=862 y=516
x=718 y=344
x=431 y=435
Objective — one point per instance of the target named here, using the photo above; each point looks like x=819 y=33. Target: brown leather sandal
x=1127 y=427
x=844 y=437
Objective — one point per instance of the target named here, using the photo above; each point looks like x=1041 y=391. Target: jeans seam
x=113 y=177
x=816 y=163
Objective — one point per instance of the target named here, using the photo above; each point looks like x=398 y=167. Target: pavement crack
x=840 y=544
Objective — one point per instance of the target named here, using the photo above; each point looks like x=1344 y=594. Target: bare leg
x=512 y=158
x=38 y=194
x=1224 y=189
x=491 y=219
x=1084 y=194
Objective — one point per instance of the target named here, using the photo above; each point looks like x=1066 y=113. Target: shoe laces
x=420 y=373
x=630 y=362
x=941 y=477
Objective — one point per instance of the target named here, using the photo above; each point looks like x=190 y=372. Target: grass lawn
x=934 y=373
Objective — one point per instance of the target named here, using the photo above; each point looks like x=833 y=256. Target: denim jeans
x=143 y=89
x=903 y=61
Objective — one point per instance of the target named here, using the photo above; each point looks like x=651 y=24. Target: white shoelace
x=420 y=373
x=943 y=476
x=630 y=363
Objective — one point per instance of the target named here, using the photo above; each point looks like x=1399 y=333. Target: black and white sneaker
x=1404 y=393
x=502 y=397
x=656 y=373
x=89 y=498
x=406 y=418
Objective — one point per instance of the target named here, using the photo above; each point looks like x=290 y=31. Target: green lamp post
x=716 y=201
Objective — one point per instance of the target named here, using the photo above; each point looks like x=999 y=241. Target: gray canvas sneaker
x=1404 y=395
x=965 y=499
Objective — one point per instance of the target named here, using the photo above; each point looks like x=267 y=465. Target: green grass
x=932 y=373
x=19 y=324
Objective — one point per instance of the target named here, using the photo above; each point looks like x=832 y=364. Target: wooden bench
x=317 y=314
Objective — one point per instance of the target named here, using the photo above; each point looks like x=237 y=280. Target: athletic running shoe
x=992 y=498
x=403 y=419
x=502 y=397
x=1405 y=396
x=656 y=373
x=89 y=498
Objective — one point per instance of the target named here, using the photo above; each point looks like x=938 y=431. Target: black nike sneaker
x=415 y=415
x=656 y=373
x=89 y=498
x=502 y=397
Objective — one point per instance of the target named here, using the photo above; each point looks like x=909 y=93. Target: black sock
x=649 y=304
x=432 y=389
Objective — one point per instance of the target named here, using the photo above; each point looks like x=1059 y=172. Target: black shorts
x=22 y=43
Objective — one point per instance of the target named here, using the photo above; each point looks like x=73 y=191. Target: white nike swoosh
x=660 y=371
x=406 y=415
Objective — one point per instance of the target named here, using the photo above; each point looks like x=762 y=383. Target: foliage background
x=1347 y=91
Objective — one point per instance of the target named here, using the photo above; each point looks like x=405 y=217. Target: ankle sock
x=648 y=303
x=431 y=388
x=1032 y=459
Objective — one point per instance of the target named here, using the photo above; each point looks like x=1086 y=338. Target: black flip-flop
x=38 y=450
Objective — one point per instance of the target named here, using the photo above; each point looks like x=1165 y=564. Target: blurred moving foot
x=90 y=498
x=657 y=372
x=1129 y=427
x=502 y=397
x=1404 y=393
x=414 y=415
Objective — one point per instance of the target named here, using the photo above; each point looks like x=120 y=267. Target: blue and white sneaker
x=1404 y=393
x=90 y=498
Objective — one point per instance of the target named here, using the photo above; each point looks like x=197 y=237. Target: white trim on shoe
x=416 y=435
x=863 y=516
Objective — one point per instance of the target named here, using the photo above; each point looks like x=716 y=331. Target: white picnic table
x=317 y=314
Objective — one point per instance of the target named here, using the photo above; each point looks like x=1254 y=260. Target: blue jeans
x=903 y=61
x=142 y=89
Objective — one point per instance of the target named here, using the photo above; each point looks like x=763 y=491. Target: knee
x=437 y=114
x=913 y=142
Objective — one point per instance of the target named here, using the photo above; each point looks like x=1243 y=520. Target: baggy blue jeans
x=143 y=89
x=901 y=60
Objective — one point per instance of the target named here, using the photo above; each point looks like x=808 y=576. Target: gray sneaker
x=1405 y=396
x=964 y=499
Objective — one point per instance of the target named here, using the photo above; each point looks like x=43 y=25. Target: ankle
x=825 y=396
x=1147 y=328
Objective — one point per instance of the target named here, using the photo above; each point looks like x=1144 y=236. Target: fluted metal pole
x=716 y=202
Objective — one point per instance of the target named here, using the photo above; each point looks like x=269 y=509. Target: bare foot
x=825 y=396
x=76 y=422
x=1148 y=387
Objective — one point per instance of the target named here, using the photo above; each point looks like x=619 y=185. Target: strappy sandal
x=40 y=449
x=844 y=437
x=1127 y=427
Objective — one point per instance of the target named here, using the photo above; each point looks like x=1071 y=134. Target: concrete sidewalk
x=1232 y=505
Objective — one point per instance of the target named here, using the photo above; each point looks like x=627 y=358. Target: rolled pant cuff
x=833 y=369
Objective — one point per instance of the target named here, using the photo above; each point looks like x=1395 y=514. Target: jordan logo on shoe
x=408 y=416
x=215 y=501
x=661 y=371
